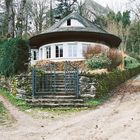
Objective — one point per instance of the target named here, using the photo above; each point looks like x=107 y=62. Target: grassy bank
x=21 y=104
x=5 y=117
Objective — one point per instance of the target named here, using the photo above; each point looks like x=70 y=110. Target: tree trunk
x=20 y=18
x=11 y=17
x=51 y=14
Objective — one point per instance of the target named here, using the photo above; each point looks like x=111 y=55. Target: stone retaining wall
x=19 y=85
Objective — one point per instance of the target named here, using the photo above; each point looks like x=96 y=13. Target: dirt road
x=117 y=119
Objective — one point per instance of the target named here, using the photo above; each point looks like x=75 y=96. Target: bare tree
x=11 y=17
x=2 y=17
x=134 y=7
x=20 y=18
x=38 y=12
x=51 y=13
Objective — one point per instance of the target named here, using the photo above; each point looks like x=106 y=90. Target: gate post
x=77 y=82
x=54 y=78
x=33 y=81
x=65 y=65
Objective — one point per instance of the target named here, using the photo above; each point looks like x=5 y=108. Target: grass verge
x=21 y=104
x=96 y=102
x=2 y=112
x=4 y=115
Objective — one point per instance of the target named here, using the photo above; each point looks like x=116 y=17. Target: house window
x=59 y=50
x=72 y=51
x=48 y=52
x=69 y=22
x=34 y=55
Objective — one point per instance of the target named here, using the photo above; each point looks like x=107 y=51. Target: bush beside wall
x=109 y=81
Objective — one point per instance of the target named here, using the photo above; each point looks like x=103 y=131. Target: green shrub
x=130 y=62
x=108 y=81
x=96 y=59
x=98 y=62
x=14 y=56
x=111 y=80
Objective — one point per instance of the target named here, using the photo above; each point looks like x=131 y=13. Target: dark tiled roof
x=89 y=32
x=89 y=26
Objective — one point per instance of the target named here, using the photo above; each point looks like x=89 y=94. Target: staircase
x=54 y=94
x=56 y=86
x=56 y=101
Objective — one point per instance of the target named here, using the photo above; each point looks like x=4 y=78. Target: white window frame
x=72 y=50
x=60 y=53
x=48 y=52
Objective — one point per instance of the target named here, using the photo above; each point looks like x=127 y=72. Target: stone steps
x=52 y=105
x=56 y=96
x=56 y=101
x=58 y=83
x=54 y=93
x=60 y=100
x=56 y=90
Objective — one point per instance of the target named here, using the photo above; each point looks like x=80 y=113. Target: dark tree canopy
x=65 y=7
x=14 y=56
x=133 y=43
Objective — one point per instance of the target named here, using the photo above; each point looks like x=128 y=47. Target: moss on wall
x=108 y=81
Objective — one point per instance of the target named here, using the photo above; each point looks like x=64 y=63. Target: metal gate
x=71 y=78
x=45 y=80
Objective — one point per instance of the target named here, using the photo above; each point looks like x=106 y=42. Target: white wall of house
x=63 y=51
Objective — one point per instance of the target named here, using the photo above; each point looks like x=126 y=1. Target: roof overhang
x=55 y=37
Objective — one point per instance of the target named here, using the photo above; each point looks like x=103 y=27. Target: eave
x=67 y=36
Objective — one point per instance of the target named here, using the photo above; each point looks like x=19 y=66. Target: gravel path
x=117 y=119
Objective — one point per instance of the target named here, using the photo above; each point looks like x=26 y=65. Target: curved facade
x=62 y=51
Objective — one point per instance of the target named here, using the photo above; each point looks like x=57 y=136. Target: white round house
x=67 y=39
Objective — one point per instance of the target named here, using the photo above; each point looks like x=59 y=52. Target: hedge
x=109 y=81
x=14 y=56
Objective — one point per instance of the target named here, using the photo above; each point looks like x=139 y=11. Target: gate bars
x=71 y=78
x=44 y=79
